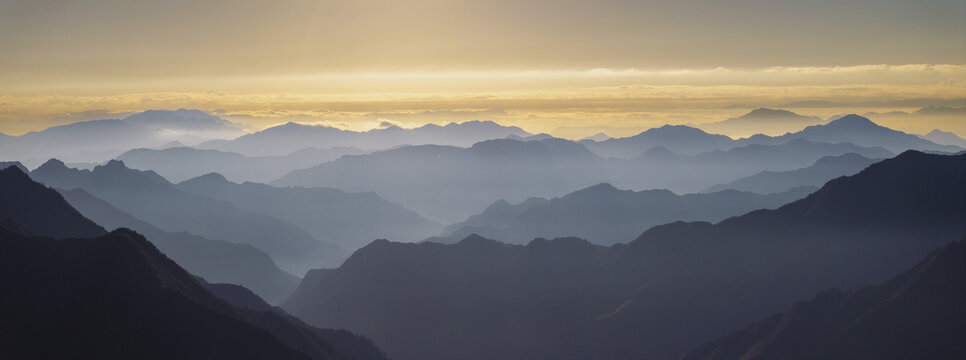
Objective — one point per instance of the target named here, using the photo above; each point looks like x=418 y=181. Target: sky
x=566 y=67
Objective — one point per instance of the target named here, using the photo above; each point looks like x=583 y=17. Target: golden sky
x=567 y=67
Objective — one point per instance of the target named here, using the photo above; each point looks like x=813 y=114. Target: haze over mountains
x=604 y=215
x=476 y=240
x=98 y=140
x=825 y=169
x=114 y=295
x=349 y=220
x=149 y=197
x=215 y=260
x=673 y=288
x=284 y=139
x=182 y=163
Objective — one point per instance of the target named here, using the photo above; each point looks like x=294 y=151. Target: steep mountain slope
x=284 y=139
x=40 y=210
x=159 y=311
x=857 y=130
x=149 y=197
x=677 y=138
x=604 y=215
x=215 y=260
x=823 y=170
x=349 y=220
x=675 y=287
x=182 y=163
x=916 y=315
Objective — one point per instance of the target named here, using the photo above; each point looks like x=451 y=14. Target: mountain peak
x=853 y=121
x=211 y=178
x=768 y=113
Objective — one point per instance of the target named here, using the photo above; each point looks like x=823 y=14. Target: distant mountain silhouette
x=944 y=138
x=825 y=169
x=659 y=168
x=675 y=287
x=598 y=137
x=149 y=197
x=183 y=163
x=284 y=139
x=215 y=260
x=349 y=220
x=117 y=296
x=916 y=315
x=605 y=215
x=763 y=121
x=40 y=210
x=676 y=138
x=857 y=130
x=101 y=140
x=448 y=183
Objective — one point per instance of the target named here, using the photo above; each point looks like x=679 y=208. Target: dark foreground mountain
x=675 y=287
x=920 y=314
x=606 y=215
x=825 y=169
x=149 y=197
x=116 y=296
x=40 y=210
x=182 y=163
x=349 y=220
x=215 y=260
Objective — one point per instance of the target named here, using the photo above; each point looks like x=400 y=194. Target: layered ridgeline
x=99 y=140
x=285 y=139
x=450 y=183
x=349 y=220
x=672 y=289
x=919 y=314
x=182 y=163
x=156 y=309
x=149 y=197
x=605 y=215
x=685 y=140
x=215 y=260
x=825 y=169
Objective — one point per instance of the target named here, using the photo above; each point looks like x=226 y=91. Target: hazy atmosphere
x=478 y=180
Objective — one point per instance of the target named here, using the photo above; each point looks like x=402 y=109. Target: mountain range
x=448 y=184
x=823 y=170
x=285 y=139
x=149 y=197
x=349 y=220
x=100 y=140
x=675 y=287
x=605 y=215
x=182 y=163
